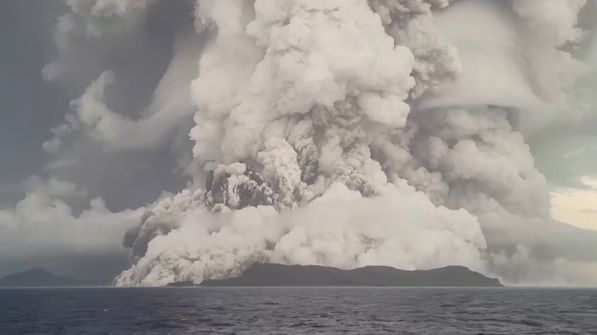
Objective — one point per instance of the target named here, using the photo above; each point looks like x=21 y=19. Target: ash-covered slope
x=312 y=275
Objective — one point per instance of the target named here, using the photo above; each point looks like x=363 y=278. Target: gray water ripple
x=298 y=311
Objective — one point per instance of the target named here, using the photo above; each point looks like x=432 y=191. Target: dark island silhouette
x=272 y=275
x=378 y=276
x=38 y=277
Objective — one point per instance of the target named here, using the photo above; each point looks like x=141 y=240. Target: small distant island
x=262 y=275
x=38 y=277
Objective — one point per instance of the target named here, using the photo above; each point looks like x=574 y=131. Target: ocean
x=298 y=311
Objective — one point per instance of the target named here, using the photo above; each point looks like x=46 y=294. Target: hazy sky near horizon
x=30 y=107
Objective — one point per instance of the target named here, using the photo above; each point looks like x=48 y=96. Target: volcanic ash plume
x=346 y=133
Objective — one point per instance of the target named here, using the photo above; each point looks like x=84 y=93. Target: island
x=38 y=277
x=264 y=275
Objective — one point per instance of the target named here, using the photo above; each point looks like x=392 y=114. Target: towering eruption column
x=302 y=131
x=349 y=133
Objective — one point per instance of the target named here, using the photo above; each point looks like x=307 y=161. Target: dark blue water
x=298 y=311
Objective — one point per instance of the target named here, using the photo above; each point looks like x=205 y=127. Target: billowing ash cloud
x=339 y=132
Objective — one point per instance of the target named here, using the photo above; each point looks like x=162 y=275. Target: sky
x=30 y=105
x=576 y=206
x=128 y=178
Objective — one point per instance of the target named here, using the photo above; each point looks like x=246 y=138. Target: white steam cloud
x=339 y=132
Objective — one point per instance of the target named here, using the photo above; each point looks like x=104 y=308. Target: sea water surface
x=298 y=311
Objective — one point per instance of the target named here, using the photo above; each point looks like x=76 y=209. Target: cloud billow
x=343 y=133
